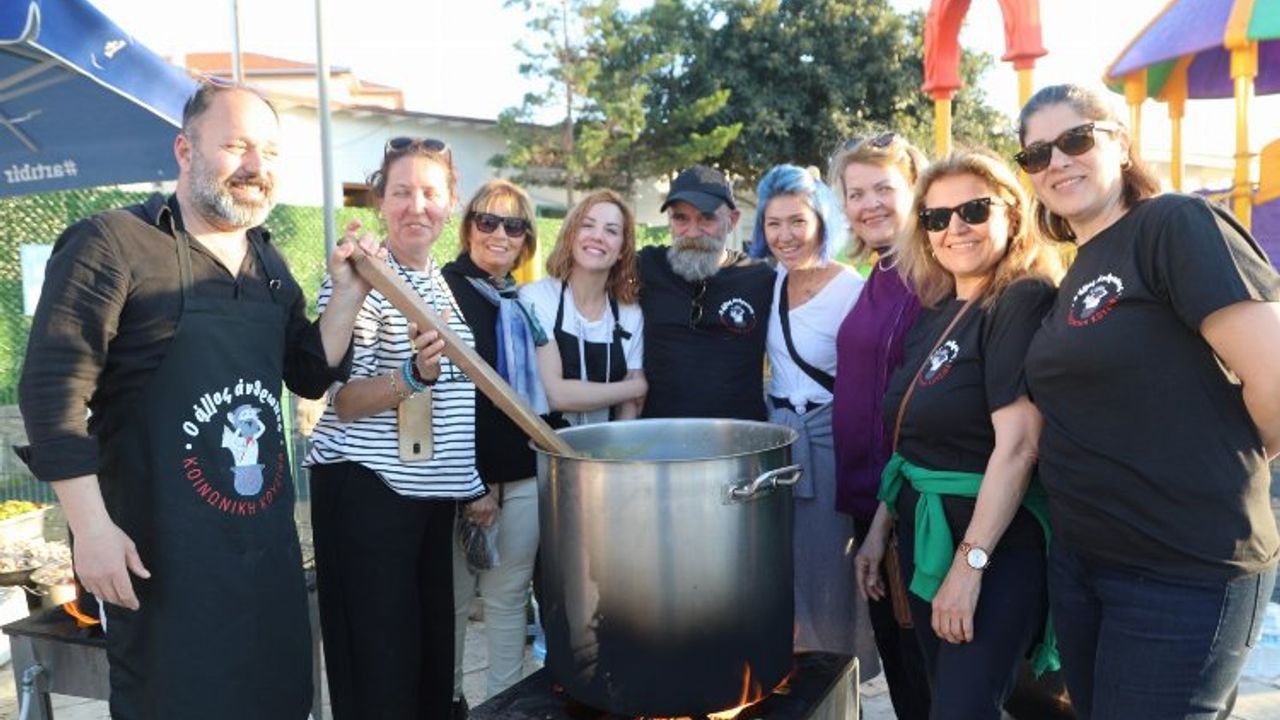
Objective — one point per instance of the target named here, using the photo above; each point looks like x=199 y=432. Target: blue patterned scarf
x=519 y=337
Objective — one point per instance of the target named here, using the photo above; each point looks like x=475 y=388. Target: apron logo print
x=239 y=437
x=235 y=436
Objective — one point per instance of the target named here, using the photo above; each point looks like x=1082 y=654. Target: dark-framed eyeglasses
x=973 y=212
x=404 y=143
x=514 y=227
x=695 y=305
x=1074 y=141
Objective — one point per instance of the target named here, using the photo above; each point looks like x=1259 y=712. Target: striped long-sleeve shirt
x=381 y=343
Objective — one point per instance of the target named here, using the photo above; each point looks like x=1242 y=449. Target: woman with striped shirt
x=392 y=456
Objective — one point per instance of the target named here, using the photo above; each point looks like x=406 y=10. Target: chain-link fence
x=297 y=231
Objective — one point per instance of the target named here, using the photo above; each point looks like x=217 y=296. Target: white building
x=363 y=117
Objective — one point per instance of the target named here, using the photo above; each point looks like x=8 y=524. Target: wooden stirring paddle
x=487 y=380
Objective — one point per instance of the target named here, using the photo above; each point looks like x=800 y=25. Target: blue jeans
x=1138 y=647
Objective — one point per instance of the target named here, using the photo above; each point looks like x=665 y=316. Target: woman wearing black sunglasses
x=498 y=233
x=972 y=528
x=1157 y=378
x=391 y=457
x=593 y=368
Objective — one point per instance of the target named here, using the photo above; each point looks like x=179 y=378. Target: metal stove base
x=823 y=686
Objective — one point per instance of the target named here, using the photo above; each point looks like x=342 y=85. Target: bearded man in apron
x=173 y=323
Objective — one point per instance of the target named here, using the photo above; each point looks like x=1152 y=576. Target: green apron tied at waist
x=934 y=548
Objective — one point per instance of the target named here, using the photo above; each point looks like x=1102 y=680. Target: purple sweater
x=869 y=347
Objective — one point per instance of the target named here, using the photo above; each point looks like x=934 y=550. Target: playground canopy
x=1204 y=49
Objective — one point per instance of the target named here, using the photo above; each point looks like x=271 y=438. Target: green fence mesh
x=40 y=219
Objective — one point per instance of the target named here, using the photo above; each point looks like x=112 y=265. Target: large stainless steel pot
x=666 y=563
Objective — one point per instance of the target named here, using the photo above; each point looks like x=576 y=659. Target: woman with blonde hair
x=592 y=369
x=965 y=436
x=497 y=234
x=873 y=179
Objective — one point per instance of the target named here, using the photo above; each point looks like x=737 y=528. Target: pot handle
x=766 y=481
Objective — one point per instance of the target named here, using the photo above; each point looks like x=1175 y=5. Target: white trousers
x=504 y=589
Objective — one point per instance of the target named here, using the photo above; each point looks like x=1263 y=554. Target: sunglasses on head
x=512 y=226
x=1078 y=140
x=973 y=212
x=401 y=144
x=879 y=142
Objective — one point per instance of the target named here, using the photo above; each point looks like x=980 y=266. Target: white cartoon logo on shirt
x=1094 y=300
x=737 y=316
x=939 y=363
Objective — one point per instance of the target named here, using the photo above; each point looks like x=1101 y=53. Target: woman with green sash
x=971 y=523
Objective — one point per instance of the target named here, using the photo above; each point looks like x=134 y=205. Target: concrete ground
x=1259 y=690
x=1259 y=696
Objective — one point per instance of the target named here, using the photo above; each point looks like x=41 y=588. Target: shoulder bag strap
x=902 y=407
x=820 y=377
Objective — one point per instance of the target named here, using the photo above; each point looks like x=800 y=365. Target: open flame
x=751 y=694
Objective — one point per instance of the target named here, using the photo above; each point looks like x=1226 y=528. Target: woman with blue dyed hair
x=798 y=223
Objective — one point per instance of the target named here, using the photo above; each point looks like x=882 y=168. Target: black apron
x=606 y=362
x=198 y=478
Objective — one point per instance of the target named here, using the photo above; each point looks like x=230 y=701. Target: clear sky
x=457 y=57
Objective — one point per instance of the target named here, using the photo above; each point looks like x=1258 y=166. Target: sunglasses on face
x=1078 y=140
x=401 y=144
x=488 y=222
x=973 y=212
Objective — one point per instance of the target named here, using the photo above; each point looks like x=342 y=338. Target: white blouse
x=813 y=331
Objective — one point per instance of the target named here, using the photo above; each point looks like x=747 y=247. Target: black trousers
x=384 y=573
x=972 y=681
x=900 y=655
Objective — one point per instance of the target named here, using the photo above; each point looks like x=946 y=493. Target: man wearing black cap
x=706 y=308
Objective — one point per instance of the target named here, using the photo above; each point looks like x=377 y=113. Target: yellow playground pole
x=1026 y=84
x=1175 y=94
x=1244 y=68
x=942 y=126
x=1135 y=92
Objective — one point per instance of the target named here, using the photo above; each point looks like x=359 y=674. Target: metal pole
x=326 y=135
x=237 y=71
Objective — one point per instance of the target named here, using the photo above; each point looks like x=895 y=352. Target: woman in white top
x=383 y=519
x=798 y=222
x=588 y=304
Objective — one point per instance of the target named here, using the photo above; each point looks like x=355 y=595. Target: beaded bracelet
x=418 y=376
x=408 y=371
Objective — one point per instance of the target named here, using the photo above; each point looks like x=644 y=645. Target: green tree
x=596 y=66
x=805 y=75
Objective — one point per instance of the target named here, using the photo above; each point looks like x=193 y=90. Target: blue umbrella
x=81 y=102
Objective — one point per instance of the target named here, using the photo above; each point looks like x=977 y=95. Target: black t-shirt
x=1148 y=453
x=713 y=368
x=502 y=448
x=978 y=369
